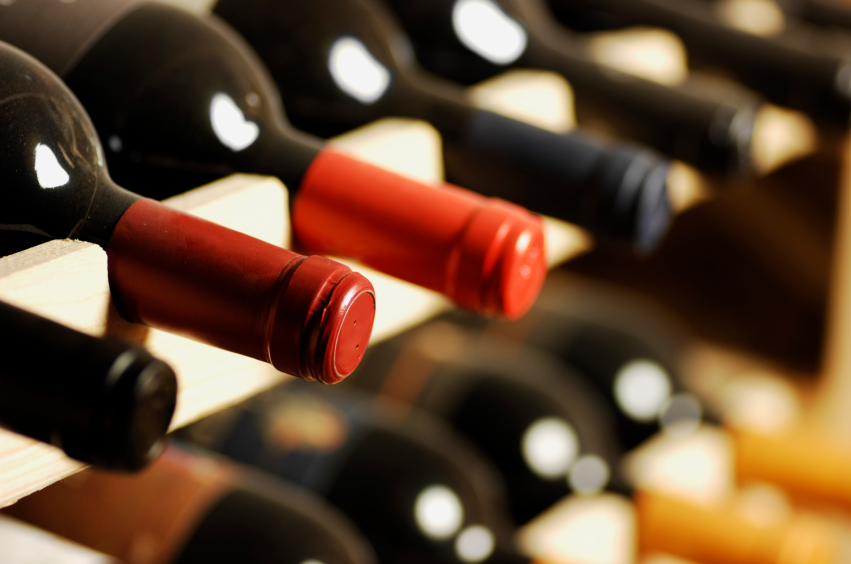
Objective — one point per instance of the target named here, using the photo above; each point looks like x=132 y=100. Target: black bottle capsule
x=103 y=401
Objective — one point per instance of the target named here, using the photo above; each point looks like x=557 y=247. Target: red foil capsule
x=484 y=253
x=308 y=316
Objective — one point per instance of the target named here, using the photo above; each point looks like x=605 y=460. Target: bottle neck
x=437 y=101
x=287 y=154
x=109 y=203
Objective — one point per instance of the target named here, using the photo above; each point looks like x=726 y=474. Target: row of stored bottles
x=190 y=114
x=575 y=439
x=196 y=125
x=181 y=99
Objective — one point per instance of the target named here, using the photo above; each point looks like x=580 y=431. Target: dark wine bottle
x=639 y=382
x=469 y=41
x=103 y=401
x=636 y=374
x=543 y=428
x=800 y=67
x=182 y=100
x=188 y=508
x=310 y=317
x=342 y=64
x=415 y=490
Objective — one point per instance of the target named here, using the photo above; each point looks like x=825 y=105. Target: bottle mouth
x=323 y=321
x=346 y=327
x=499 y=265
x=134 y=414
x=156 y=391
x=636 y=206
x=654 y=211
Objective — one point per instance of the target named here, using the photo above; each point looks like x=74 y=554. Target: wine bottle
x=415 y=490
x=181 y=100
x=189 y=508
x=354 y=67
x=641 y=383
x=799 y=67
x=543 y=428
x=103 y=401
x=688 y=122
x=167 y=269
x=638 y=380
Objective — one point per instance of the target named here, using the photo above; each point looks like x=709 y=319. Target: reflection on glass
x=682 y=414
x=642 y=388
x=549 y=447
x=474 y=544
x=229 y=123
x=589 y=475
x=115 y=143
x=356 y=71
x=312 y=561
x=438 y=512
x=488 y=31
x=759 y=17
x=47 y=168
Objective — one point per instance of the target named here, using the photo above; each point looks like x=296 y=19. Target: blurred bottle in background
x=189 y=507
x=715 y=125
x=791 y=63
x=542 y=426
x=417 y=491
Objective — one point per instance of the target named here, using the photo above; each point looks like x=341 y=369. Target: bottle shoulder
x=52 y=162
x=173 y=93
x=340 y=65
